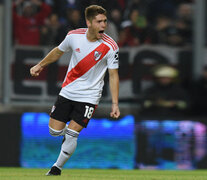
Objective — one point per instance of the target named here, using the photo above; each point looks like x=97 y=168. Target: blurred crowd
x=168 y=98
x=130 y=22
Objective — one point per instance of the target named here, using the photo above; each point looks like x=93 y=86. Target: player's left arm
x=114 y=88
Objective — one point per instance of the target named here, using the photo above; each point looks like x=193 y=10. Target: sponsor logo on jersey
x=97 y=55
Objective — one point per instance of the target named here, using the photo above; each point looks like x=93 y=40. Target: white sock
x=68 y=147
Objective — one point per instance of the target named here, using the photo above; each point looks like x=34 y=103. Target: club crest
x=97 y=55
x=53 y=108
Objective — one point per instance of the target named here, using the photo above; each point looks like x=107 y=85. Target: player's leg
x=59 y=116
x=69 y=144
x=82 y=112
x=56 y=127
x=75 y=126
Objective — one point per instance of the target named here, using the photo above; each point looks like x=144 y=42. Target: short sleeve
x=65 y=44
x=113 y=59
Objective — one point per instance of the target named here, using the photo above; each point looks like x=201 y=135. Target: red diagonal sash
x=85 y=64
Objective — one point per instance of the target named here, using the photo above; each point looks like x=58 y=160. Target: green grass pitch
x=96 y=174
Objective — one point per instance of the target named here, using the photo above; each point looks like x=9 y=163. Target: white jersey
x=89 y=61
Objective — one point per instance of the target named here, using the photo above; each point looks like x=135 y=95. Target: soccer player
x=93 y=52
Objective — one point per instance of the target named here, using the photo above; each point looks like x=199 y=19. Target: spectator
x=114 y=24
x=184 y=21
x=162 y=23
x=140 y=5
x=116 y=17
x=160 y=7
x=185 y=12
x=136 y=31
x=112 y=31
x=73 y=18
x=73 y=21
x=122 y=4
x=60 y=7
x=49 y=32
x=27 y=25
x=174 y=36
x=165 y=99
x=172 y=33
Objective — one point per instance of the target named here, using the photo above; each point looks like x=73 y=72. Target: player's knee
x=55 y=133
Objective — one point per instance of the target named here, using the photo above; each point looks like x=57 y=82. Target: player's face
x=97 y=26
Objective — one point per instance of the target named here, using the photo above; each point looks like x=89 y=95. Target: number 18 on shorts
x=65 y=110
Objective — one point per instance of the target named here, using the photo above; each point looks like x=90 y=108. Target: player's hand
x=115 y=113
x=35 y=70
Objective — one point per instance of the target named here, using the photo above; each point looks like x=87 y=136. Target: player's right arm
x=51 y=57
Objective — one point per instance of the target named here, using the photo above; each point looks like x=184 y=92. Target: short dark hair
x=93 y=10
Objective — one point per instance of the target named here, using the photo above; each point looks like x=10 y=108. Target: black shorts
x=65 y=110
